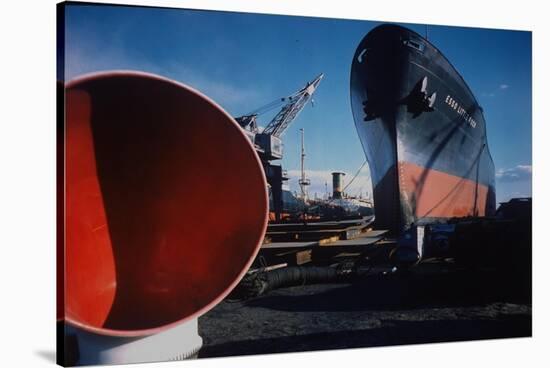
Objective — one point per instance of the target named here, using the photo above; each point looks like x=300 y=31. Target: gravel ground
x=433 y=303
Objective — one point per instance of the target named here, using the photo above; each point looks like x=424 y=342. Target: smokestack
x=337 y=184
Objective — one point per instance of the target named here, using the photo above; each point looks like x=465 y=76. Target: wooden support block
x=303 y=257
x=295 y=257
x=326 y=241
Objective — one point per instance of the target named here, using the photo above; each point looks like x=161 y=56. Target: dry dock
x=482 y=290
x=436 y=302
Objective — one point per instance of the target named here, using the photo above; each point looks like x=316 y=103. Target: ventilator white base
x=177 y=343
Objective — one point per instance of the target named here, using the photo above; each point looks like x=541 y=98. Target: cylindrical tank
x=337 y=184
x=165 y=204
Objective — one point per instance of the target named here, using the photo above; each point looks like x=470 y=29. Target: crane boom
x=288 y=113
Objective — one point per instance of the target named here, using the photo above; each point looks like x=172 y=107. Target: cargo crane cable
x=355 y=176
x=292 y=105
x=296 y=102
x=268 y=107
x=274 y=104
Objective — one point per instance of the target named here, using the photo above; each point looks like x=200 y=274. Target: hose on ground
x=259 y=283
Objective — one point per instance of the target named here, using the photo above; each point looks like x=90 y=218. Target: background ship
x=422 y=131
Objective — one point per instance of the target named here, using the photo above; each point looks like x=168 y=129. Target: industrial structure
x=268 y=141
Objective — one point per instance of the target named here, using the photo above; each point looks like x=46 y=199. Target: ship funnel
x=337 y=184
x=165 y=204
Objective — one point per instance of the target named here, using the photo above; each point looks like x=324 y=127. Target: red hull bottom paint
x=433 y=193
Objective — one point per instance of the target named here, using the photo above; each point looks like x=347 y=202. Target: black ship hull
x=422 y=131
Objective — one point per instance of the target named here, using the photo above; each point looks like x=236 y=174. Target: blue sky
x=244 y=61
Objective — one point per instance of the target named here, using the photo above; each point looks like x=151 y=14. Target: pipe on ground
x=260 y=283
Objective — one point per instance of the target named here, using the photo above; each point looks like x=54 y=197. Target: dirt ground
x=436 y=302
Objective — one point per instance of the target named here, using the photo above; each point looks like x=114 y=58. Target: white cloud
x=501 y=87
x=221 y=92
x=505 y=197
x=83 y=59
x=514 y=174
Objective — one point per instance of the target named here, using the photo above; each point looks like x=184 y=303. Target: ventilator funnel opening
x=166 y=203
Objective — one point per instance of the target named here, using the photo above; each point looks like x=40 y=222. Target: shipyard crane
x=268 y=142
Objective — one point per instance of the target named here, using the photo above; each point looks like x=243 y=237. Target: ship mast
x=304 y=182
